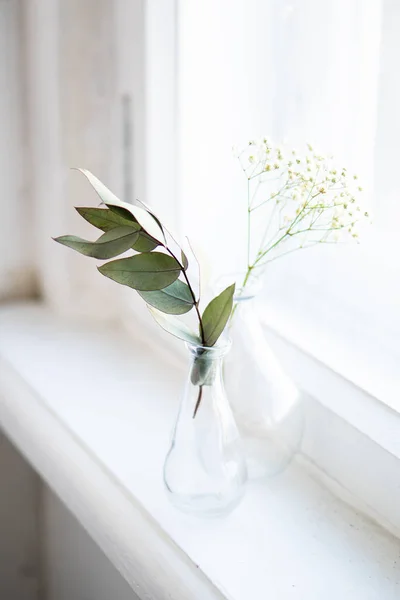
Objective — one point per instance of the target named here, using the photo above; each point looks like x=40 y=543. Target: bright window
x=323 y=72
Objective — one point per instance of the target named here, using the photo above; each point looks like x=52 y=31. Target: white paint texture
x=19 y=533
x=16 y=263
x=75 y=568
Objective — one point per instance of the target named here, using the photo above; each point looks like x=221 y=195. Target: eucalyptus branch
x=153 y=274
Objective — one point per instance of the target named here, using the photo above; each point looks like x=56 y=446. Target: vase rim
x=217 y=351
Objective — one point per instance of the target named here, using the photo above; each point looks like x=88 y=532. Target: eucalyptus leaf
x=175 y=299
x=110 y=244
x=148 y=209
x=216 y=315
x=203 y=370
x=145 y=272
x=142 y=216
x=145 y=243
x=106 y=219
x=185 y=262
x=174 y=326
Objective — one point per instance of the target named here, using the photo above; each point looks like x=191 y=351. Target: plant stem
x=201 y=328
x=196 y=408
x=248 y=224
x=195 y=302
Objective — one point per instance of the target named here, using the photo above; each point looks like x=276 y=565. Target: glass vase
x=266 y=404
x=205 y=468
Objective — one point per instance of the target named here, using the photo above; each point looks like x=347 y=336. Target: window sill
x=83 y=404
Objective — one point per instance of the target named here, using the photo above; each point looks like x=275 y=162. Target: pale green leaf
x=145 y=243
x=146 y=272
x=106 y=219
x=216 y=315
x=185 y=262
x=175 y=299
x=142 y=216
x=174 y=326
x=110 y=244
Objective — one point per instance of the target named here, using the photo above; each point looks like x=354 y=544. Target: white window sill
x=92 y=411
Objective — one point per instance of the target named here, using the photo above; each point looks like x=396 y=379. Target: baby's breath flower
x=307 y=192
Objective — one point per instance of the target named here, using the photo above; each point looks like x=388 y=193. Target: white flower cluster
x=306 y=194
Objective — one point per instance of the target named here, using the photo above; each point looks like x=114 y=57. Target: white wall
x=19 y=498
x=74 y=567
x=16 y=269
x=44 y=553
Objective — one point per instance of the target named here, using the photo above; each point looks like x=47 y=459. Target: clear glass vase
x=266 y=404
x=205 y=468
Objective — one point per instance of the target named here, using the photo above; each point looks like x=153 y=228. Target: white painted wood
x=19 y=531
x=160 y=111
x=16 y=266
x=124 y=529
x=72 y=106
x=74 y=567
x=98 y=435
x=84 y=63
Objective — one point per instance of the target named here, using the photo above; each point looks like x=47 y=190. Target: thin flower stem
x=288 y=252
x=286 y=234
x=248 y=224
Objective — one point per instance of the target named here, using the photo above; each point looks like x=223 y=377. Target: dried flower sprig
x=306 y=200
x=158 y=271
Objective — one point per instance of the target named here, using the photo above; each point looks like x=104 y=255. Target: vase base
x=265 y=459
x=208 y=506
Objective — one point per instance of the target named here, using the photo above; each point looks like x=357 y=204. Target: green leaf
x=184 y=259
x=110 y=244
x=105 y=219
x=148 y=209
x=216 y=315
x=145 y=243
x=174 y=326
x=175 y=299
x=203 y=370
x=146 y=272
x=142 y=216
